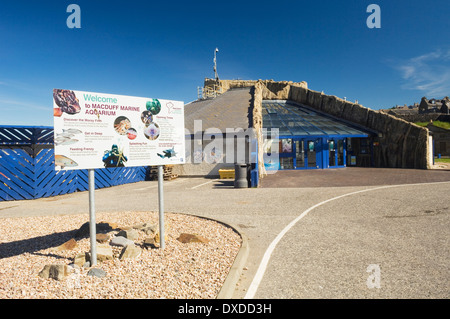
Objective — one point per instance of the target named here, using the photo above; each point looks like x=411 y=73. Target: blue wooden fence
x=27 y=169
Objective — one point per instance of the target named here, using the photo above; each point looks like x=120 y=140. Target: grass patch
x=442 y=160
x=445 y=125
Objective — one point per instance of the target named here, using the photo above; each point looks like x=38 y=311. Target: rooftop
x=300 y=120
x=229 y=110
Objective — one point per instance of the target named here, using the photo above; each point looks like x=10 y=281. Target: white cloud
x=428 y=73
x=14 y=104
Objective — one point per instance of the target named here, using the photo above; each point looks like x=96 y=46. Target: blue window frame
x=308 y=139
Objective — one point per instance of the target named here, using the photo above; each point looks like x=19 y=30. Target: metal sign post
x=162 y=243
x=92 y=225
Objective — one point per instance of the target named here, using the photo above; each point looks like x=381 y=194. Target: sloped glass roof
x=297 y=120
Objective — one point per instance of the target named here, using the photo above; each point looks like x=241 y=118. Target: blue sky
x=165 y=49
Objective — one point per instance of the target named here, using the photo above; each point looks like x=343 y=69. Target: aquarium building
x=314 y=130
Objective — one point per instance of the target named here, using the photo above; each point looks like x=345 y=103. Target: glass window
x=286 y=145
x=300 y=153
x=286 y=114
x=311 y=154
x=332 y=153
x=340 y=146
x=286 y=163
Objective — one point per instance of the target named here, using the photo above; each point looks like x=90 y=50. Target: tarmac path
x=335 y=248
x=399 y=233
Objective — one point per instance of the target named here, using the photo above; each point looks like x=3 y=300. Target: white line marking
x=144 y=188
x=156 y=185
x=204 y=183
x=265 y=260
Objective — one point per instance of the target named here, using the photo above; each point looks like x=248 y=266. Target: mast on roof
x=215 y=65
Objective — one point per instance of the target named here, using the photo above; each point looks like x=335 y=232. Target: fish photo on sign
x=63 y=161
x=66 y=137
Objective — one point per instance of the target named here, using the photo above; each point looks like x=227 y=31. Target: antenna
x=215 y=65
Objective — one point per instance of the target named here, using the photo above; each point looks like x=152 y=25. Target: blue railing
x=27 y=169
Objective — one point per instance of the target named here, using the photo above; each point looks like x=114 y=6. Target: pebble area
x=181 y=270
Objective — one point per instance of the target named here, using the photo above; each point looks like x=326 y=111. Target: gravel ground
x=189 y=270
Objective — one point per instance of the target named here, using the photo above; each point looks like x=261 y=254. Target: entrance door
x=341 y=153
x=312 y=152
x=336 y=153
x=331 y=153
x=286 y=154
x=299 y=146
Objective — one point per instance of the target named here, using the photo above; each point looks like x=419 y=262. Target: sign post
x=92 y=224
x=162 y=242
x=99 y=130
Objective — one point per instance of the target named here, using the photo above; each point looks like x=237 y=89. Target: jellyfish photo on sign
x=152 y=131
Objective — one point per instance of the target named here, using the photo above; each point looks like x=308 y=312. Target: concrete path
x=401 y=231
x=398 y=233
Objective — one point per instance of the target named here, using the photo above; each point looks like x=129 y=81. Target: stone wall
x=271 y=88
x=257 y=98
x=401 y=144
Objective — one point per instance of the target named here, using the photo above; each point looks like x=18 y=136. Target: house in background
x=434 y=105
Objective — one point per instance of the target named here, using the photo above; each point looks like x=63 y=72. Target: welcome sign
x=97 y=130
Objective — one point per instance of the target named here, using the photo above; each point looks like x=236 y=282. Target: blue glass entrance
x=300 y=153
x=337 y=153
x=308 y=139
x=311 y=153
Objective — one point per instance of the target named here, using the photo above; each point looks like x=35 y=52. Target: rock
x=68 y=245
x=121 y=241
x=166 y=231
x=131 y=234
x=131 y=251
x=157 y=239
x=102 y=238
x=152 y=229
x=140 y=226
x=113 y=225
x=104 y=253
x=96 y=272
x=102 y=227
x=190 y=238
x=147 y=228
x=54 y=271
x=149 y=242
x=80 y=259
